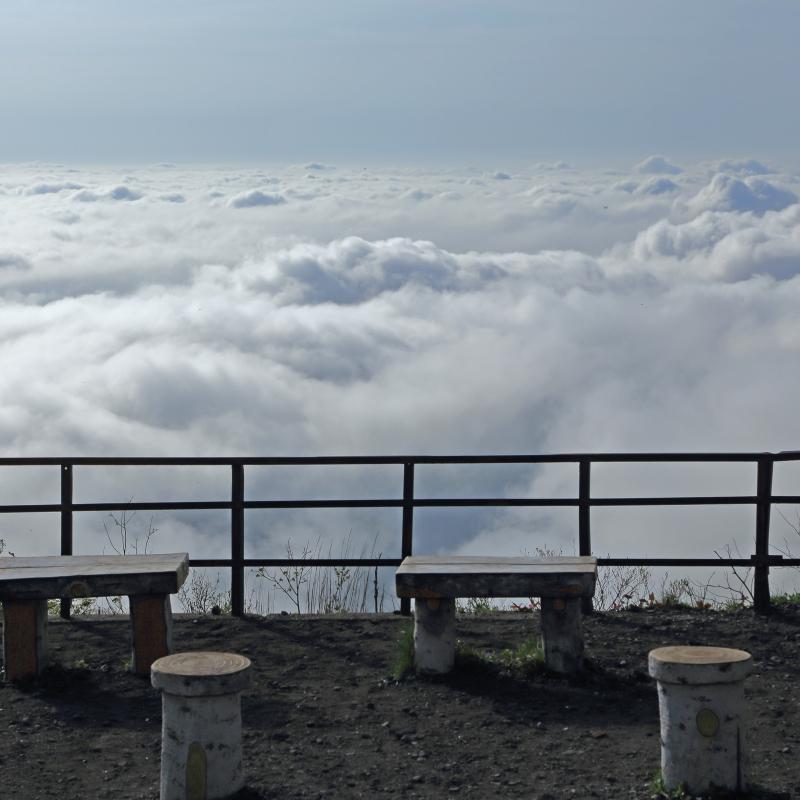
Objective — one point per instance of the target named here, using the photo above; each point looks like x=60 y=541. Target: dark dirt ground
x=324 y=719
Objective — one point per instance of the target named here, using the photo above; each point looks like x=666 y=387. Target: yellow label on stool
x=707 y=722
x=196 y=767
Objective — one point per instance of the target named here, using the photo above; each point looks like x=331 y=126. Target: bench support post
x=434 y=635
x=562 y=634
x=151 y=621
x=24 y=638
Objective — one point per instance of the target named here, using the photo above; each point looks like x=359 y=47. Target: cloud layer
x=327 y=310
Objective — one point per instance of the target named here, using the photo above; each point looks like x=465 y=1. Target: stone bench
x=436 y=581
x=26 y=584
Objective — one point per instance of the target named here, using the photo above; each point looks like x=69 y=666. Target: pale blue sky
x=424 y=80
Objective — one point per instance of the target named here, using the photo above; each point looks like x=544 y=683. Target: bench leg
x=562 y=634
x=434 y=635
x=151 y=620
x=24 y=638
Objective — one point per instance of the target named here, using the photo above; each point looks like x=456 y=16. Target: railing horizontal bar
x=394 y=562
x=445 y=502
x=673 y=501
x=420 y=502
x=323 y=503
x=323 y=562
x=395 y=459
x=191 y=505
x=454 y=502
x=692 y=562
x=304 y=562
x=24 y=509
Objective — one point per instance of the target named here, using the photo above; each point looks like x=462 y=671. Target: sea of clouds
x=324 y=309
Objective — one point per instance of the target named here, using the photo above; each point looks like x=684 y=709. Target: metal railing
x=763 y=500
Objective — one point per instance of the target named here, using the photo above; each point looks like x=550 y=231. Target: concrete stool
x=701 y=704
x=201 y=739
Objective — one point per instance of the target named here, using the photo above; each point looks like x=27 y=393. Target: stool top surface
x=699 y=655
x=698 y=665
x=201 y=664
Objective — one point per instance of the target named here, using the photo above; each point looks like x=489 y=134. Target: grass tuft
x=660 y=791
x=527 y=657
x=404 y=657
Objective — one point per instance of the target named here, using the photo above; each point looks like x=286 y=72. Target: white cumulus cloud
x=559 y=311
x=726 y=193
x=255 y=198
x=657 y=165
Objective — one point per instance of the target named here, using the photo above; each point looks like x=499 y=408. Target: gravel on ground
x=324 y=718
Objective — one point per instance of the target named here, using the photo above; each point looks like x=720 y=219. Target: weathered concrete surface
x=496 y=576
x=201 y=744
x=562 y=634
x=44 y=577
x=434 y=635
x=702 y=710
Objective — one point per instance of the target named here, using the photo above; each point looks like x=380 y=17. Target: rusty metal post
x=406 y=546
x=237 y=539
x=66 y=526
x=763 y=505
x=584 y=520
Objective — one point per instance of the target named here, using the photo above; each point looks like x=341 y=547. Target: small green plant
x=80 y=605
x=404 y=656
x=526 y=657
x=326 y=590
x=199 y=595
x=660 y=791
x=675 y=592
x=476 y=605
x=786 y=599
x=290 y=579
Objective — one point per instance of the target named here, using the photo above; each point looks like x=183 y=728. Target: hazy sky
x=433 y=80
x=579 y=230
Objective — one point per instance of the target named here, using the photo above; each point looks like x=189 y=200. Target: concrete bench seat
x=436 y=581
x=26 y=584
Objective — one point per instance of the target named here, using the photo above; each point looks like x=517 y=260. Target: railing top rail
x=540 y=458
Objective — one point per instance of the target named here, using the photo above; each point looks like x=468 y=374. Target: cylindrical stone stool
x=434 y=635
x=701 y=704
x=201 y=739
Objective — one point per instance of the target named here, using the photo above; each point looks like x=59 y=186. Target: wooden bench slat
x=492 y=569
x=567 y=561
x=142 y=563
x=474 y=576
x=92 y=576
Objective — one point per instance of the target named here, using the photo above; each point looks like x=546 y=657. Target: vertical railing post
x=763 y=505
x=407 y=544
x=237 y=539
x=584 y=517
x=66 y=526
